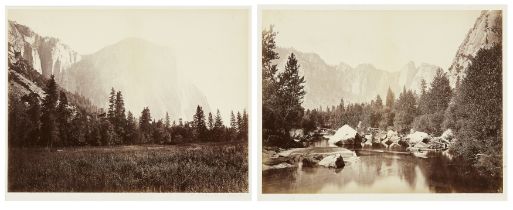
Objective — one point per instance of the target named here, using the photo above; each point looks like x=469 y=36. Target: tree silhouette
x=200 y=128
x=50 y=133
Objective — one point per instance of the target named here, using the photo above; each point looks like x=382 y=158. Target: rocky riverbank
x=331 y=157
x=335 y=154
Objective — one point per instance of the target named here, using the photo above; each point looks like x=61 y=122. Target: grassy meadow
x=208 y=167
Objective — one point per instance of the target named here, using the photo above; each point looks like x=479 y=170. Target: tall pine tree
x=131 y=129
x=269 y=80
x=233 y=122
x=440 y=93
x=145 y=125
x=245 y=124
x=34 y=115
x=168 y=121
x=406 y=111
x=200 y=128
x=210 y=121
x=218 y=121
x=290 y=96
x=218 y=127
x=120 y=118
x=49 y=128
x=239 y=123
x=111 y=113
x=390 y=99
x=64 y=119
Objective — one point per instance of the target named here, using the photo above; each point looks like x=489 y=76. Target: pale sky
x=386 y=39
x=211 y=45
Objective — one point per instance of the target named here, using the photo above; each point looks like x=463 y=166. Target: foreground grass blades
x=178 y=168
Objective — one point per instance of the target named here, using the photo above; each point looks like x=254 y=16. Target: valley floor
x=204 y=167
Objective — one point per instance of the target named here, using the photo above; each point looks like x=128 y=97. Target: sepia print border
x=137 y=196
x=381 y=196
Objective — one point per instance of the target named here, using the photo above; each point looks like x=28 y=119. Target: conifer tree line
x=472 y=109
x=55 y=122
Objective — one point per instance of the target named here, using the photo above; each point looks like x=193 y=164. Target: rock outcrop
x=47 y=55
x=486 y=32
x=332 y=161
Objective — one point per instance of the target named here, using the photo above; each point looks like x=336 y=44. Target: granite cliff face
x=46 y=54
x=327 y=84
x=486 y=32
x=145 y=72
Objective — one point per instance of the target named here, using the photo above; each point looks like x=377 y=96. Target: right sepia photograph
x=392 y=100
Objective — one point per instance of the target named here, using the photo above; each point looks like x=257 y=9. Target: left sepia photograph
x=107 y=99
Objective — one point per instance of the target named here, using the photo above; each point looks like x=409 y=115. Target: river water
x=378 y=172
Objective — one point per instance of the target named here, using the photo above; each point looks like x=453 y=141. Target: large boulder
x=277 y=166
x=447 y=135
x=332 y=161
x=271 y=160
x=344 y=135
x=382 y=136
x=394 y=139
x=277 y=160
x=391 y=133
x=393 y=136
x=416 y=137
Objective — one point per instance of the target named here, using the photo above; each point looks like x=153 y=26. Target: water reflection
x=319 y=142
x=380 y=173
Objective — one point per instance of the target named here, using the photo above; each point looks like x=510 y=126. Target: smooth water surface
x=378 y=172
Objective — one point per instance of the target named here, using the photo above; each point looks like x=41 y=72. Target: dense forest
x=472 y=109
x=60 y=119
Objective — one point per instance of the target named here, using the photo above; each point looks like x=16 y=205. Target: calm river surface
x=376 y=172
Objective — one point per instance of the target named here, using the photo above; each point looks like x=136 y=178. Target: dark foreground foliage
x=208 y=167
x=477 y=113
